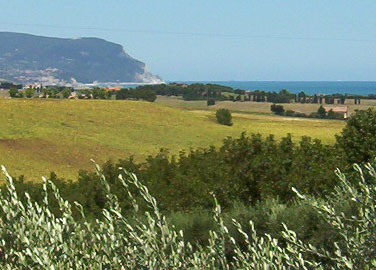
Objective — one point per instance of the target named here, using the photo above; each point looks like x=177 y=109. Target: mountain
x=27 y=58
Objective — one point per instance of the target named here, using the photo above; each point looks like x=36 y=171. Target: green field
x=254 y=107
x=39 y=136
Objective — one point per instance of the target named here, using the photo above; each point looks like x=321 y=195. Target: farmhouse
x=115 y=88
x=343 y=110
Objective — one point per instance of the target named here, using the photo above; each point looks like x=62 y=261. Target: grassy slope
x=38 y=136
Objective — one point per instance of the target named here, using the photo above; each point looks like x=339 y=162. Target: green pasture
x=39 y=136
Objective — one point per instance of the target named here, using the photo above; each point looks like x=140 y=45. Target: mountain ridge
x=27 y=58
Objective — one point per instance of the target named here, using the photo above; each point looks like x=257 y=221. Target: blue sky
x=218 y=39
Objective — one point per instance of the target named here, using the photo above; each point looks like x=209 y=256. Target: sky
x=181 y=40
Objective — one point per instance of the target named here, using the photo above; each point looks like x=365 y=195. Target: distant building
x=73 y=95
x=114 y=88
x=343 y=110
x=33 y=86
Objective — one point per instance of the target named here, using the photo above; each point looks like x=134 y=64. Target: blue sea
x=309 y=87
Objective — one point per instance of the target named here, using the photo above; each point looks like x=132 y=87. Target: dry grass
x=38 y=136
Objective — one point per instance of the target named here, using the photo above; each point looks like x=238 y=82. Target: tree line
x=94 y=93
x=189 y=92
x=321 y=113
x=9 y=85
x=215 y=92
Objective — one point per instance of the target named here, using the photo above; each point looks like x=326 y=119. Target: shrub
x=224 y=117
x=14 y=93
x=356 y=247
x=277 y=109
x=29 y=92
x=210 y=102
x=334 y=115
x=358 y=140
x=66 y=92
x=245 y=169
x=322 y=112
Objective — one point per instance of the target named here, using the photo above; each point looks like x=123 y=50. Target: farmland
x=254 y=107
x=38 y=136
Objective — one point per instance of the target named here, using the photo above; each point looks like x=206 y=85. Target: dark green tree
x=99 y=93
x=357 y=140
x=277 y=109
x=302 y=97
x=322 y=112
x=66 y=92
x=29 y=93
x=315 y=99
x=224 y=117
x=13 y=92
x=211 y=102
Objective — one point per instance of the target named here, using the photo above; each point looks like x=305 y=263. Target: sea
x=309 y=87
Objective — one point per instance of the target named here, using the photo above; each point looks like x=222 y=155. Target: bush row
x=321 y=113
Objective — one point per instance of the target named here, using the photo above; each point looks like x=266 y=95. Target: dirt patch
x=11 y=144
x=37 y=149
x=55 y=154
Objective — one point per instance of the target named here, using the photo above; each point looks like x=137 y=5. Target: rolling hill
x=39 y=136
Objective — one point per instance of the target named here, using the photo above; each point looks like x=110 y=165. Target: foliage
x=357 y=140
x=34 y=238
x=99 y=93
x=196 y=91
x=301 y=97
x=248 y=169
x=136 y=94
x=277 y=109
x=14 y=93
x=356 y=246
x=334 y=115
x=211 y=102
x=51 y=92
x=9 y=85
x=66 y=92
x=322 y=112
x=224 y=117
x=283 y=96
x=29 y=92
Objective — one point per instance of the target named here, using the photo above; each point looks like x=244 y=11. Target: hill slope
x=39 y=136
x=27 y=58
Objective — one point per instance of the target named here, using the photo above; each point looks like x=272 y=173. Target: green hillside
x=38 y=136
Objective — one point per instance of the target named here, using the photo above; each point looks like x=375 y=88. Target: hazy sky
x=218 y=39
